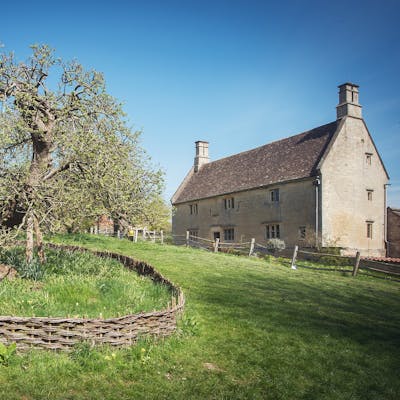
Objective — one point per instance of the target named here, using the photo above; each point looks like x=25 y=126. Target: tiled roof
x=395 y=211
x=292 y=158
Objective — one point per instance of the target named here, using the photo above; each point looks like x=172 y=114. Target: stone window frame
x=193 y=233
x=274 y=195
x=370 y=194
x=229 y=203
x=229 y=234
x=370 y=229
x=272 y=231
x=368 y=158
x=193 y=209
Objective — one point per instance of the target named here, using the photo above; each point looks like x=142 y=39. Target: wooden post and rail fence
x=252 y=248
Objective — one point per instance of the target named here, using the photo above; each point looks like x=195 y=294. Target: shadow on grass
x=366 y=316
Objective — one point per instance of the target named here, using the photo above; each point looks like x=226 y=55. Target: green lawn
x=252 y=329
x=78 y=285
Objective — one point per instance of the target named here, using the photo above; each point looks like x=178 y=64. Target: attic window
x=193 y=209
x=229 y=203
x=274 y=195
x=368 y=158
x=369 y=194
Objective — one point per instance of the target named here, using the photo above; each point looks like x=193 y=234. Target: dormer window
x=193 y=209
x=229 y=203
x=274 y=195
x=368 y=158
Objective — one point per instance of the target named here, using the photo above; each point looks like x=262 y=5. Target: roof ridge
x=268 y=144
x=287 y=159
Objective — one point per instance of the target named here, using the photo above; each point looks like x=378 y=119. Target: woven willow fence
x=63 y=333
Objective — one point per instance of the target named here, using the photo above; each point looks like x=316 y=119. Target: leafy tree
x=66 y=153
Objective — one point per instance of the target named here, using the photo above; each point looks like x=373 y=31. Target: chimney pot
x=348 y=101
x=202 y=156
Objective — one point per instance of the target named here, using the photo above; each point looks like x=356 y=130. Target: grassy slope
x=265 y=332
x=79 y=285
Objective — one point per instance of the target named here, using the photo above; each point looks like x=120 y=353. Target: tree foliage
x=66 y=153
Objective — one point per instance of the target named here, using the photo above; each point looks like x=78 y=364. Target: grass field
x=252 y=329
x=77 y=285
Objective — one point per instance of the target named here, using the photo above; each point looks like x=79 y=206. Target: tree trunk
x=29 y=238
x=39 y=241
x=41 y=160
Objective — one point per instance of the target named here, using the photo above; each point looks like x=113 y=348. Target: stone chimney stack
x=348 y=101
x=201 y=155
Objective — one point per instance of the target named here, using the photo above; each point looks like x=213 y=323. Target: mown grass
x=252 y=330
x=76 y=285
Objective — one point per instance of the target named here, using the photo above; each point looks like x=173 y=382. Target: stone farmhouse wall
x=352 y=188
x=253 y=211
x=393 y=233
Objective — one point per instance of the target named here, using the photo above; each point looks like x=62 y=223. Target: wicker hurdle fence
x=63 y=333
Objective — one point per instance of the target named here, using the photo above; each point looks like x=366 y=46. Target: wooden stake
x=296 y=249
x=357 y=263
x=253 y=241
x=216 y=245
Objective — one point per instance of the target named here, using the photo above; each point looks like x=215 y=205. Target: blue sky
x=236 y=73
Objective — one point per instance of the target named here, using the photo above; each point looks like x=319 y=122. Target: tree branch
x=56 y=171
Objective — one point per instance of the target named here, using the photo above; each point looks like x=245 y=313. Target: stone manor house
x=324 y=187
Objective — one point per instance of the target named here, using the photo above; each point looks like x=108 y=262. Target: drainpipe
x=385 y=185
x=316 y=183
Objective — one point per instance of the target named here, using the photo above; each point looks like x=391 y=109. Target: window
x=274 y=195
x=229 y=203
x=368 y=158
x=369 y=229
x=193 y=209
x=272 y=231
x=369 y=194
x=229 y=234
x=302 y=232
x=193 y=233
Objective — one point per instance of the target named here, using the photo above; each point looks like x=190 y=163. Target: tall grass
x=77 y=285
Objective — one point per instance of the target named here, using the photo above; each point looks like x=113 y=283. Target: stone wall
x=346 y=178
x=393 y=232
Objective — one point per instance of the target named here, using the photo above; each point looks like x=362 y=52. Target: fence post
x=252 y=246
x=162 y=236
x=357 y=263
x=154 y=236
x=296 y=249
x=216 y=245
x=136 y=234
x=187 y=238
x=118 y=234
x=95 y=230
x=91 y=230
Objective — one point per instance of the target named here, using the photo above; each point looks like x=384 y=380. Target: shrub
x=275 y=245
